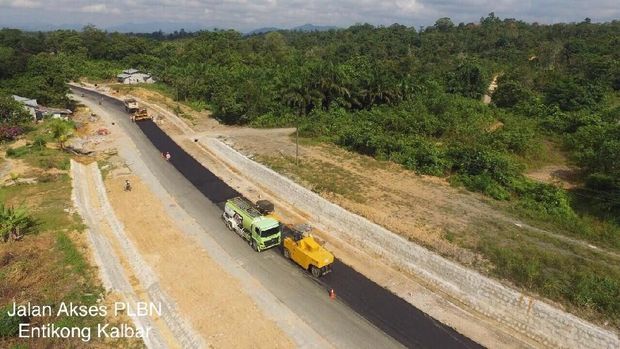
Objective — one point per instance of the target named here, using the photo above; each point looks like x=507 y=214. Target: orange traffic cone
x=332 y=294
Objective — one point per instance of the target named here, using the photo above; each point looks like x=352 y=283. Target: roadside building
x=55 y=113
x=30 y=105
x=134 y=76
x=39 y=112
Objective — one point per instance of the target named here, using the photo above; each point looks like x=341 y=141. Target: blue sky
x=250 y=14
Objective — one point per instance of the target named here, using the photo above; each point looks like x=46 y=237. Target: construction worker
x=167 y=156
x=127 y=185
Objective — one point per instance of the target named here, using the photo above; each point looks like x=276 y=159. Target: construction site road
x=364 y=315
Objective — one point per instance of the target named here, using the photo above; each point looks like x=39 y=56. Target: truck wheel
x=287 y=253
x=228 y=224
x=254 y=245
x=316 y=272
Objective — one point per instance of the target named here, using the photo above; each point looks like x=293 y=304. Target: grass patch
x=582 y=226
x=588 y=285
x=47 y=267
x=38 y=153
x=548 y=153
x=72 y=256
x=322 y=177
x=46 y=201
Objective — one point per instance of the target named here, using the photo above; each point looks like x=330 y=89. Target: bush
x=475 y=161
x=544 y=199
x=39 y=142
x=423 y=157
x=17 y=152
x=484 y=184
x=571 y=94
x=510 y=93
x=9 y=325
x=10 y=133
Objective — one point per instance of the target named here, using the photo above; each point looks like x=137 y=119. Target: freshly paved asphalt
x=388 y=313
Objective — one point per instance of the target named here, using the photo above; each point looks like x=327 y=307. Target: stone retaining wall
x=534 y=318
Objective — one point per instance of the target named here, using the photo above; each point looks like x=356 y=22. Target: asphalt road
x=364 y=315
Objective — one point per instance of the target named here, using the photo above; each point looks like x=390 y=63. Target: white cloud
x=26 y=4
x=248 y=14
x=98 y=8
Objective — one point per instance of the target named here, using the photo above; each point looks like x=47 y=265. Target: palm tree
x=303 y=98
x=61 y=131
x=14 y=222
x=329 y=82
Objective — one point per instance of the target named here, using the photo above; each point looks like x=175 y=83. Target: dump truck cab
x=243 y=217
x=307 y=253
x=131 y=105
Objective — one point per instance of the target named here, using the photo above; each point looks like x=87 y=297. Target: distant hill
x=149 y=27
x=302 y=28
x=166 y=27
x=262 y=30
x=314 y=28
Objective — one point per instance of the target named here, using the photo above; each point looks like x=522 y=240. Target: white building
x=134 y=76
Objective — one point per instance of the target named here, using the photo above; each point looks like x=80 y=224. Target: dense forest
x=395 y=93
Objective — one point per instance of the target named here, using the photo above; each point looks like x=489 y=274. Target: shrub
x=14 y=222
x=39 y=142
x=423 y=157
x=9 y=325
x=596 y=291
x=475 y=161
x=484 y=184
x=10 y=132
x=543 y=198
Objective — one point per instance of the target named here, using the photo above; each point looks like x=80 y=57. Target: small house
x=55 y=113
x=30 y=105
x=134 y=76
x=39 y=112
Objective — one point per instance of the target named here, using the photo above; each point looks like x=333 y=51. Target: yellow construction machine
x=140 y=114
x=304 y=250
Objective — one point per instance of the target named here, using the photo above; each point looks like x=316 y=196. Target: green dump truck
x=244 y=218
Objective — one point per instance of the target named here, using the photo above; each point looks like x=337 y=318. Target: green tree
x=444 y=24
x=468 y=79
x=14 y=222
x=301 y=97
x=61 y=131
x=12 y=112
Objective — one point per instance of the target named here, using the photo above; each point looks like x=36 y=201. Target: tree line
x=392 y=92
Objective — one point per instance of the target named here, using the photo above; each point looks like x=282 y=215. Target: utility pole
x=297 y=140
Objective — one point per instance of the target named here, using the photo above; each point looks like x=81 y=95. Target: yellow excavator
x=304 y=250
